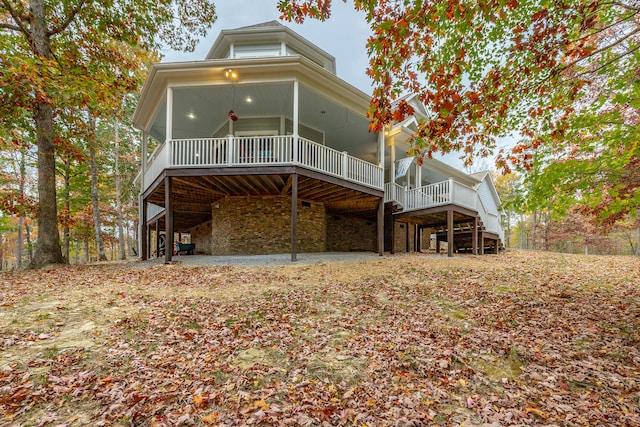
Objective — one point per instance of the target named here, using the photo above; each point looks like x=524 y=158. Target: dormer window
x=268 y=40
x=256 y=50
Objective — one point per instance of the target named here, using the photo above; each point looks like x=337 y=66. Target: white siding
x=484 y=192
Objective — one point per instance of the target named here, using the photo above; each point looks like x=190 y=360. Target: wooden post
x=481 y=243
x=406 y=238
x=418 y=238
x=437 y=244
x=294 y=217
x=380 y=226
x=157 y=237
x=450 y=232
x=393 y=236
x=474 y=236
x=168 y=220
x=144 y=230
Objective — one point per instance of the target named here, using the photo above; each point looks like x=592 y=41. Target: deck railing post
x=169 y=153
x=294 y=151
x=345 y=164
x=451 y=193
x=230 y=150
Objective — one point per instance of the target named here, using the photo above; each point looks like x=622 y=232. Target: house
x=261 y=148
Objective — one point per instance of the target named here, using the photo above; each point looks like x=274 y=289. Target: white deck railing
x=261 y=150
x=442 y=193
x=395 y=193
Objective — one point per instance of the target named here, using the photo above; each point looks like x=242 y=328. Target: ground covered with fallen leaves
x=407 y=340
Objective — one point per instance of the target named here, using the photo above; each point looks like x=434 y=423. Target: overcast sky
x=344 y=35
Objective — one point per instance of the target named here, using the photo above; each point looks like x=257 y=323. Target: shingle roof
x=273 y=23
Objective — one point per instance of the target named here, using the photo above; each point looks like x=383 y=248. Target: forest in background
x=563 y=75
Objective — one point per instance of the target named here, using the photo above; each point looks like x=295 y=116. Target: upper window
x=250 y=51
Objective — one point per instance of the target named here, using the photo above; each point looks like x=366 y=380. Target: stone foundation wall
x=262 y=225
x=345 y=233
x=400 y=243
x=201 y=236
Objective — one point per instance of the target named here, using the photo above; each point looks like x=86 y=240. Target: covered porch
x=261 y=136
x=264 y=210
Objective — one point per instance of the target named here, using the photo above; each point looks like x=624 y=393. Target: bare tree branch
x=20 y=26
x=623 y=5
x=58 y=29
x=10 y=27
x=602 y=49
x=613 y=24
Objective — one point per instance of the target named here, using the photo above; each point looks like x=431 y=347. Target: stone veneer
x=201 y=236
x=347 y=233
x=262 y=225
x=401 y=244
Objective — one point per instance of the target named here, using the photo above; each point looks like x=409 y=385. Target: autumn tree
x=56 y=54
x=561 y=77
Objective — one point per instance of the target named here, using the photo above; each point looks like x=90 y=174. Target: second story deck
x=260 y=151
x=449 y=192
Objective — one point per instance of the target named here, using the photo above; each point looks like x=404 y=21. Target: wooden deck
x=450 y=210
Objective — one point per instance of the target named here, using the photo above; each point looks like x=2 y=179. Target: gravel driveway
x=266 y=260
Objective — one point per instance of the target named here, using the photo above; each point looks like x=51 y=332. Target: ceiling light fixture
x=191 y=115
x=249 y=100
x=231 y=74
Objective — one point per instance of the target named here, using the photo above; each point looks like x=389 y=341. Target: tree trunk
x=27 y=230
x=67 y=209
x=1 y=252
x=48 y=244
x=86 y=250
x=121 y=238
x=508 y=230
x=637 y=250
x=23 y=178
x=547 y=226
x=95 y=202
x=534 y=230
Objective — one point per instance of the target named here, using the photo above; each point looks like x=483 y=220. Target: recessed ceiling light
x=191 y=115
x=249 y=100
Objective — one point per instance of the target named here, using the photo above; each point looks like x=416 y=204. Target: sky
x=344 y=35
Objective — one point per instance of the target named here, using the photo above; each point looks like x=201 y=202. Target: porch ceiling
x=193 y=196
x=201 y=111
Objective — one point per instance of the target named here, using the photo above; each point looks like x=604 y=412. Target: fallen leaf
x=261 y=404
x=210 y=419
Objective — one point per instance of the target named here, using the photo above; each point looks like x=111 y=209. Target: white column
x=169 y=118
x=393 y=160
x=143 y=161
x=381 y=155
x=418 y=175
x=169 y=126
x=295 y=120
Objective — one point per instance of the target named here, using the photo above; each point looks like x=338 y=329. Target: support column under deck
x=294 y=217
x=474 y=236
x=393 y=236
x=381 y=227
x=144 y=231
x=450 y=232
x=158 y=237
x=168 y=220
